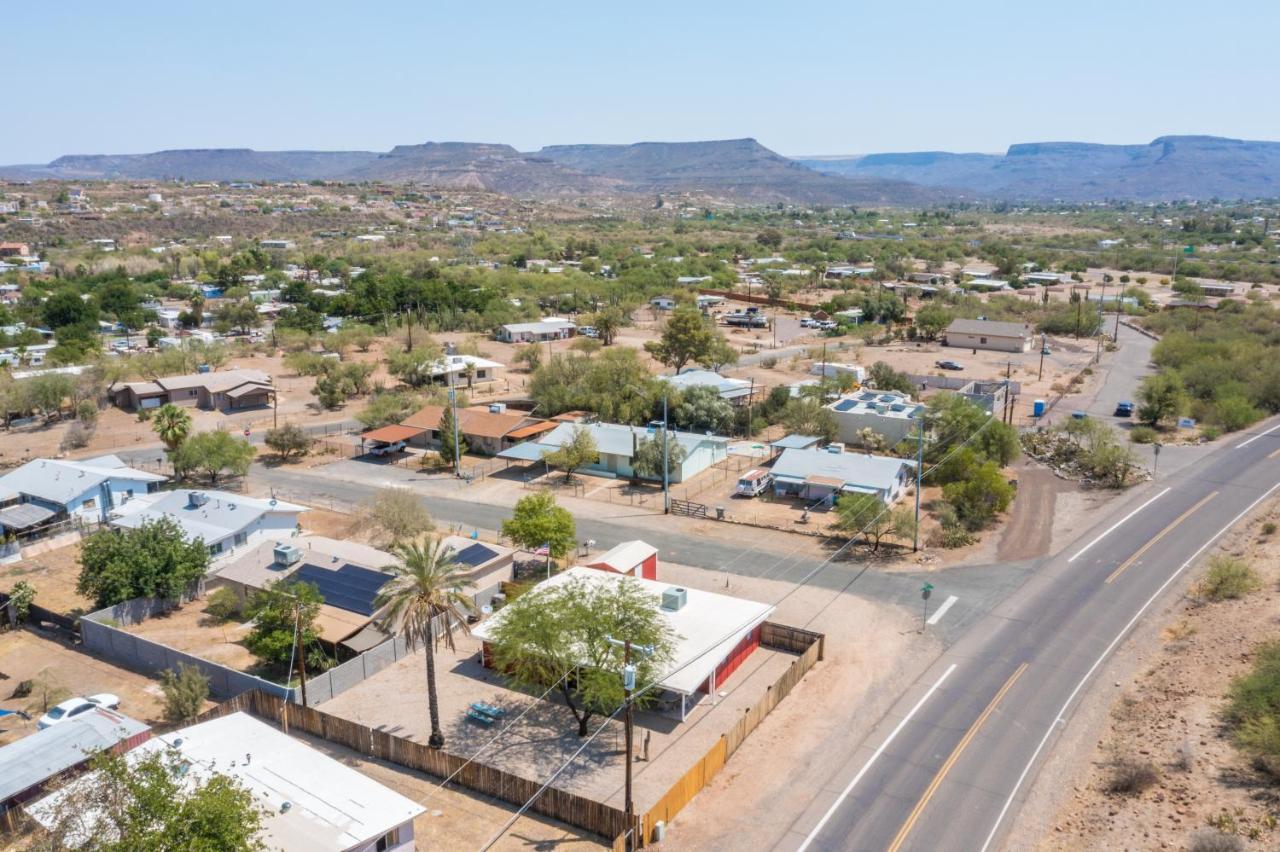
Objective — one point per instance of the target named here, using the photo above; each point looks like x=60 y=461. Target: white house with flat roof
x=547 y=328
x=618 y=444
x=890 y=414
x=823 y=475
x=737 y=391
x=713 y=633
x=224 y=521
x=310 y=801
x=46 y=490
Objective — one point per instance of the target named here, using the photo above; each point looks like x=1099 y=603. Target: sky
x=852 y=77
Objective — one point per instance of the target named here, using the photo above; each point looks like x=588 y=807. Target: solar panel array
x=350 y=587
x=476 y=554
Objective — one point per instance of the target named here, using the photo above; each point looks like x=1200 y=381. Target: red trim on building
x=735 y=658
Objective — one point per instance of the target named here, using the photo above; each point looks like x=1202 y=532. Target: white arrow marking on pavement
x=1117 y=524
x=942 y=610
x=863 y=771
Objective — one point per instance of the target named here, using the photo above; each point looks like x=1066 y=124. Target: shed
x=632 y=558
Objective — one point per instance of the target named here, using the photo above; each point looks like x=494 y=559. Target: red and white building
x=630 y=558
x=714 y=633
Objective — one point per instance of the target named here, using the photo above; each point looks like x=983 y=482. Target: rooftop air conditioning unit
x=286 y=554
x=674 y=599
x=497 y=407
x=196 y=499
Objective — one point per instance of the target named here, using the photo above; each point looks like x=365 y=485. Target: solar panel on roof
x=350 y=587
x=476 y=554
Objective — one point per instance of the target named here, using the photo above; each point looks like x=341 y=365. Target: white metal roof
x=60 y=481
x=626 y=555
x=706 y=628
x=858 y=471
x=222 y=515
x=331 y=806
x=38 y=757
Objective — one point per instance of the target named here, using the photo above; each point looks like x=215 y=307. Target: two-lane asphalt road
x=951 y=762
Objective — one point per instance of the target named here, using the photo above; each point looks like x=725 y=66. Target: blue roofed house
x=823 y=475
x=44 y=491
x=226 y=522
x=618 y=443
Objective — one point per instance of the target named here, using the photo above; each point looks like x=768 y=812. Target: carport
x=388 y=435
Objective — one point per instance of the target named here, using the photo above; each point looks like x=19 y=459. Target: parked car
x=387 y=449
x=948 y=365
x=808 y=322
x=1124 y=409
x=827 y=325
x=75 y=707
x=588 y=331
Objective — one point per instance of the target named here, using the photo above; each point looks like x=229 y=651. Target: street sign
x=246 y=433
x=926 y=590
x=1189 y=250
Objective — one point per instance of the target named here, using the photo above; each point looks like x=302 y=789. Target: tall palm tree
x=427 y=584
x=172 y=424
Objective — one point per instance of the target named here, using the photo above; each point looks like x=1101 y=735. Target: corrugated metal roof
x=991 y=328
x=60 y=481
x=391 y=434
x=24 y=515
x=36 y=758
x=852 y=469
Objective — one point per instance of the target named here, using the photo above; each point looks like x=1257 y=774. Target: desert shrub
x=1210 y=433
x=185 y=691
x=1184 y=757
x=1253 y=709
x=86 y=412
x=223 y=604
x=77 y=437
x=20 y=597
x=1130 y=776
x=1228 y=578
x=1269 y=528
x=769 y=363
x=1212 y=840
x=1142 y=435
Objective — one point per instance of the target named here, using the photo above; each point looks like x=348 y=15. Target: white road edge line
x=863 y=771
x=942 y=610
x=1249 y=441
x=1062 y=713
x=1118 y=523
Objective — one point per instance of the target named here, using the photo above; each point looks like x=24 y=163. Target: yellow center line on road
x=1135 y=557
x=1273 y=453
x=952 y=758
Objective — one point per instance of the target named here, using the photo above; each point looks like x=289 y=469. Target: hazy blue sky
x=802 y=77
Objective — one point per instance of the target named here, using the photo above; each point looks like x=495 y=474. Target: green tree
x=802 y=416
x=560 y=636
x=150 y=803
x=396 y=515
x=703 y=409
x=288 y=441
x=387 y=408
x=537 y=520
x=283 y=610
x=425 y=603
x=931 y=320
x=607 y=323
x=978 y=499
x=21 y=596
x=213 y=454
x=172 y=425
x=241 y=316
x=881 y=376
x=417 y=367
x=647 y=462
x=185 y=691
x=153 y=560
x=687 y=337
x=579 y=451
x=452 y=446
x=1162 y=396
x=530 y=354
x=867 y=515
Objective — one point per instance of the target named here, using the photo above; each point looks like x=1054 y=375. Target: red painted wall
x=649 y=568
x=736 y=658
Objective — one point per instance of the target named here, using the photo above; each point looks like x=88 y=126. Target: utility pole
x=629 y=684
x=453 y=407
x=750 y=402
x=297 y=635
x=666 y=455
x=1116 y=335
x=1042 y=348
x=915 y=540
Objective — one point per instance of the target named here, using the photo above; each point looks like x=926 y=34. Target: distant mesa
x=1169 y=168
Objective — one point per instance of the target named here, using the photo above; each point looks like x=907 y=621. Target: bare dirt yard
x=64 y=672
x=1164 y=715
x=53 y=574
x=457 y=818
x=189 y=629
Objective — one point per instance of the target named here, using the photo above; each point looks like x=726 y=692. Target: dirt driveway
x=1028 y=532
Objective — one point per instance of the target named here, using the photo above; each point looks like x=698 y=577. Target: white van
x=754 y=483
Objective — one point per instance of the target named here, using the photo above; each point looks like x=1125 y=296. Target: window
x=90 y=503
x=390 y=840
x=982 y=340
x=241 y=538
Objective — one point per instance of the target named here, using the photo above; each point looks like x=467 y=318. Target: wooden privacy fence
x=780 y=637
x=570 y=808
